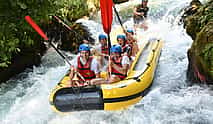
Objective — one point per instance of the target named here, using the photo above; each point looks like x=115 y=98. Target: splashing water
x=24 y=98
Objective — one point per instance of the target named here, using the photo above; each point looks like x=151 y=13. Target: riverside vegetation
x=20 y=45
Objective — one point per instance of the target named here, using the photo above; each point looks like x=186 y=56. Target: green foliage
x=15 y=32
x=207 y=53
x=126 y=13
x=205 y=14
x=72 y=10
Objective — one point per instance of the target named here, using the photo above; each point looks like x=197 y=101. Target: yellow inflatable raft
x=114 y=96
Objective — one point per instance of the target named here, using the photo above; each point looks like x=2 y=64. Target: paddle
x=60 y=21
x=41 y=33
x=106 y=17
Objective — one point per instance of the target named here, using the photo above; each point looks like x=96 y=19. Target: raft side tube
x=78 y=99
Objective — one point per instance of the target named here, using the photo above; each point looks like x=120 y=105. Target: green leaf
x=22 y=5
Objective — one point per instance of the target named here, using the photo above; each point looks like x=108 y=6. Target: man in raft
x=132 y=42
x=84 y=67
x=140 y=14
x=101 y=51
x=118 y=67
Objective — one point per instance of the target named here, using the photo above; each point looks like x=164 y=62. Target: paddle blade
x=36 y=27
x=106 y=14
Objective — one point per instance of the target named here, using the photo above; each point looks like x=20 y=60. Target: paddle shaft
x=109 y=46
x=42 y=34
x=60 y=54
x=60 y=21
x=119 y=19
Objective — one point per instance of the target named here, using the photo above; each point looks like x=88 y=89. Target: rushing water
x=24 y=98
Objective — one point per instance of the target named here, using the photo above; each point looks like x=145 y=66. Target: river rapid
x=171 y=100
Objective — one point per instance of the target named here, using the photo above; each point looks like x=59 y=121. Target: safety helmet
x=102 y=36
x=116 y=49
x=120 y=36
x=130 y=31
x=84 y=47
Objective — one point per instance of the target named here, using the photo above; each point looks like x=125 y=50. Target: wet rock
x=199 y=26
x=26 y=59
x=68 y=39
x=187 y=17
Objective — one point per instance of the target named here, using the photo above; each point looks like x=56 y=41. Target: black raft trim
x=126 y=98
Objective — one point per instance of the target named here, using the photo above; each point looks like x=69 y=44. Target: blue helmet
x=102 y=36
x=116 y=49
x=130 y=31
x=120 y=36
x=84 y=47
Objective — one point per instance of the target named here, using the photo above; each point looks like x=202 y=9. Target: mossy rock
x=200 y=27
x=204 y=48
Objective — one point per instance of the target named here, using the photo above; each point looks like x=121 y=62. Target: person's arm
x=122 y=69
x=137 y=13
x=127 y=51
x=97 y=51
x=95 y=67
x=135 y=49
x=98 y=75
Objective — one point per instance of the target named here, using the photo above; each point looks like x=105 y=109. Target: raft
x=114 y=96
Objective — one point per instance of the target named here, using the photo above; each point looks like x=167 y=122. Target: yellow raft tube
x=114 y=96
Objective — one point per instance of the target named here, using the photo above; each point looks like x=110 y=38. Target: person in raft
x=118 y=67
x=126 y=49
x=101 y=51
x=84 y=67
x=140 y=14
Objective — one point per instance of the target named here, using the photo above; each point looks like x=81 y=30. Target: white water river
x=171 y=100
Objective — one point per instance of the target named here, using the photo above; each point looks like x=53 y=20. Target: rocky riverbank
x=26 y=59
x=198 y=21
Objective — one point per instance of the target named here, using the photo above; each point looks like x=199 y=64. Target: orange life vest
x=115 y=71
x=85 y=70
x=104 y=49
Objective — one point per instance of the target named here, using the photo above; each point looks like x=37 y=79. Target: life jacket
x=104 y=49
x=127 y=48
x=124 y=48
x=143 y=9
x=115 y=71
x=85 y=70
